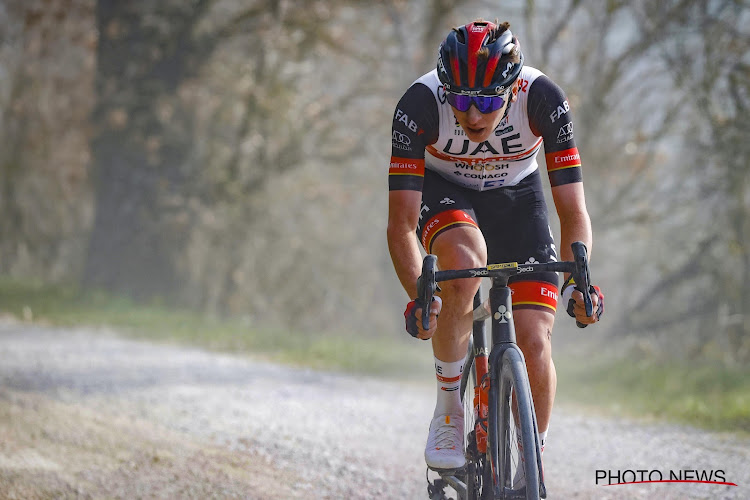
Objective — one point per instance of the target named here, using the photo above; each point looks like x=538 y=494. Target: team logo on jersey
x=561 y=110
x=565 y=134
x=400 y=141
x=404 y=118
x=447 y=201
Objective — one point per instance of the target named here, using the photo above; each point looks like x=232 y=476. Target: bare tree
x=707 y=53
x=149 y=56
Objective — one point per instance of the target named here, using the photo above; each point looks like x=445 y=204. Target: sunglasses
x=485 y=104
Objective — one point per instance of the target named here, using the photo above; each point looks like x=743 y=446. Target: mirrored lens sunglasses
x=484 y=103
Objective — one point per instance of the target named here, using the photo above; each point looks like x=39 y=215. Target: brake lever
x=426 y=286
x=582 y=277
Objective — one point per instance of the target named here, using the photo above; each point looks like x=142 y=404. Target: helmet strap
x=507 y=108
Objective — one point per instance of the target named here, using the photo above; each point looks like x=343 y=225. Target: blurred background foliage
x=231 y=156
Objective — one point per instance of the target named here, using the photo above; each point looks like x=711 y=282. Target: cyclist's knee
x=462 y=247
x=534 y=334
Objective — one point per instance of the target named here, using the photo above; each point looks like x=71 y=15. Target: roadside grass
x=66 y=306
x=707 y=394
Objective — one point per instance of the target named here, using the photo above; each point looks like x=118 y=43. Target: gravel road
x=88 y=414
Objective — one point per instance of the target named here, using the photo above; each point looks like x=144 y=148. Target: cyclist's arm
x=403 y=217
x=575 y=224
x=415 y=123
x=551 y=118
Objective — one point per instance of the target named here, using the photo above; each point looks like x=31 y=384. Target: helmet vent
x=460 y=36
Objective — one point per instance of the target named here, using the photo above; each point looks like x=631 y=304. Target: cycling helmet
x=465 y=67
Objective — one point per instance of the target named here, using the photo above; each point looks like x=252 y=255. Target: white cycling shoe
x=445 y=448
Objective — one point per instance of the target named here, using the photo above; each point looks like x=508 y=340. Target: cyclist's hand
x=413 y=317
x=575 y=305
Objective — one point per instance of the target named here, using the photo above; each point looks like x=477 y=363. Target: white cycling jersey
x=426 y=135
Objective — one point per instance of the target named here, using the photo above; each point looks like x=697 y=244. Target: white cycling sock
x=448 y=376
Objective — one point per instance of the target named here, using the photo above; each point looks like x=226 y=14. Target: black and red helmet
x=465 y=67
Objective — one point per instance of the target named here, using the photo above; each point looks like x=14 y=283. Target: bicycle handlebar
x=579 y=268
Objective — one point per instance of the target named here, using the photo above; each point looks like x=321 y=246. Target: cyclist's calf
x=533 y=329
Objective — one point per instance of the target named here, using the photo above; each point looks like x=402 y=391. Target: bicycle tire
x=514 y=413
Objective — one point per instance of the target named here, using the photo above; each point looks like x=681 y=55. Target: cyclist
x=464 y=177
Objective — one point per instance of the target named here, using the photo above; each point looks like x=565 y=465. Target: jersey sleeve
x=550 y=117
x=415 y=125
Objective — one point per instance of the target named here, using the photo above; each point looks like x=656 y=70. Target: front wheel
x=513 y=435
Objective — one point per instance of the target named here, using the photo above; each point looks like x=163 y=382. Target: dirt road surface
x=88 y=414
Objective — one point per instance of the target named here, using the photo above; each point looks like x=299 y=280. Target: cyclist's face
x=479 y=126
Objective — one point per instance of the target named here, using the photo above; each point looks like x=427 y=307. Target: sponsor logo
x=441 y=94
x=525 y=269
x=561 y=110
x=567 y=158
x=478 y=167
x=440 y=65
x=503 y=314
x=546 y=292
x=404 y=118
x=483 y=147
x=493 y=183
x=477 y=29
x=504 y=265
x=469 y=175
x=508 y=67
x=423 y=211
x=401 y=141
x=505 y=130
x=441 y=220
x=481 y=351
x=447 y=201
x=402 y=138
x=566 y=133
x=429 y=227
x=563 y=159
x=402 y=165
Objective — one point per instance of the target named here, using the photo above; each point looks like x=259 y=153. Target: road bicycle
x=501 y=443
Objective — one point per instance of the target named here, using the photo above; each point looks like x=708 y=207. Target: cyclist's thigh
x=448 y=224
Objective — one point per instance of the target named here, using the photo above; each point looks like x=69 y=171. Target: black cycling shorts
x=514 y=223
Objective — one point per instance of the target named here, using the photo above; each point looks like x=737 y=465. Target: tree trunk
x=141 y=148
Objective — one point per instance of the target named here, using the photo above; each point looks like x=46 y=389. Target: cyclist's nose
x=473 y=115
